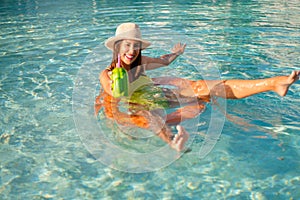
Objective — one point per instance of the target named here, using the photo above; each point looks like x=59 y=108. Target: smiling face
x=129 y=50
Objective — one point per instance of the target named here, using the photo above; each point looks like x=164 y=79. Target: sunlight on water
x=46 y=46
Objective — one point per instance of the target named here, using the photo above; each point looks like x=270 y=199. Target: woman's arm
x=165 y=60
x=106 y=81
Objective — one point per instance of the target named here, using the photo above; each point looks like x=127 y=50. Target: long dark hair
x=135 y=68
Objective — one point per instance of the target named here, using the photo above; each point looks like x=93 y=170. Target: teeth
x=129 y=56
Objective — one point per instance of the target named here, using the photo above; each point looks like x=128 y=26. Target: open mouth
x=129 y=57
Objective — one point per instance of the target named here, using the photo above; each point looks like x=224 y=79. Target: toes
x=180 y=144
x=176 y=139
x=179 y=129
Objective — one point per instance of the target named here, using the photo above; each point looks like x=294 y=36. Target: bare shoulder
x=104 y=74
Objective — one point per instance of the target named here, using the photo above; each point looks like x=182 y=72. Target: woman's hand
x=106 y=81
x=164 y=60
x=178 y=48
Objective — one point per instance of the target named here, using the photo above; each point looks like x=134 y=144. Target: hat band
x=130 y=34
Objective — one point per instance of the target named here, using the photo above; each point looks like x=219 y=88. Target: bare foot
x=283 y=83
x=180 y=139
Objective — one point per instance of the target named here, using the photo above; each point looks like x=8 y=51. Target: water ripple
x=43 y=45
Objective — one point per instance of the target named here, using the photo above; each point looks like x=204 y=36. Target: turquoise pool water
x=49 y=50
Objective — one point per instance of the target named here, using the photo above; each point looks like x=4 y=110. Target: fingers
x=179 y=48
x=179 y=44
x=109 y=73
x=183 y=45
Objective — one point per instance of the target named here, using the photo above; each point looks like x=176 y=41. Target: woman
x=128 y=43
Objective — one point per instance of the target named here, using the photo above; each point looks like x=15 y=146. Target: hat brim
x=110 y=42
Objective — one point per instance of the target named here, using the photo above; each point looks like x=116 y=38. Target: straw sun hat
x=129 y=31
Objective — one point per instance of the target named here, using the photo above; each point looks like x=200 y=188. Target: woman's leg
x=143 y=119
x=231 y=89
x=184 y=113
x=158 y=125
x=186 y=107
x=236 y=89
